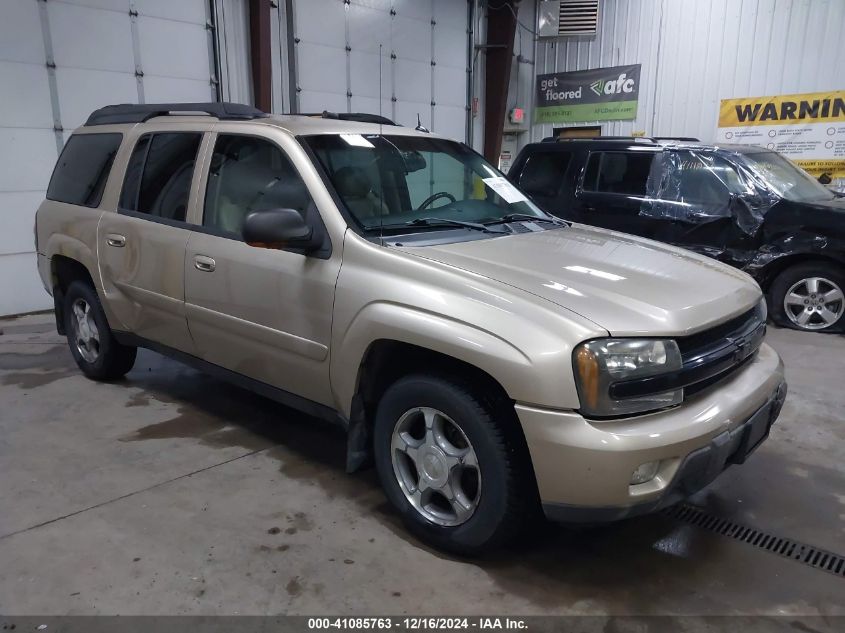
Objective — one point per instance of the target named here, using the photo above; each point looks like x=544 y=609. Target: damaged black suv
x=744 y=205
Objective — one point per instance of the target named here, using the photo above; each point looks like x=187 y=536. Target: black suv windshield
x=396 y=182
x=785 y=178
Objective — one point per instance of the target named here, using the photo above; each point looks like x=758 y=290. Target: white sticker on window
x=505 y=189
x=357 y=140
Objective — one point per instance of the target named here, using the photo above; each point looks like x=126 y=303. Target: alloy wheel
x=436 y=466
x=814 y=303
x=85 y=332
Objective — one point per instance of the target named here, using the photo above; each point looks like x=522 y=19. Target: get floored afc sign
x=601 y=94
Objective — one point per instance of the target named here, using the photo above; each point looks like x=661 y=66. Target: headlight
x=602 y=363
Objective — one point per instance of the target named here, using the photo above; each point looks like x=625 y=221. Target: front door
x=142 y=246
x=263 y=313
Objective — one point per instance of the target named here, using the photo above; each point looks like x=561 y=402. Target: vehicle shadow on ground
x=552 y=566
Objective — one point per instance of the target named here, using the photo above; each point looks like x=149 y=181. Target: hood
x=625 y=284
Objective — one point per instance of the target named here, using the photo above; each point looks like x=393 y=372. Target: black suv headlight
x=600 y=363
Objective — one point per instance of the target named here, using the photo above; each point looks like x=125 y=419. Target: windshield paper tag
x=357 y=140
x=505 y=189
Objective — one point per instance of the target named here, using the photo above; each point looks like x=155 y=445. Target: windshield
x=785 y=178
x=390 y=181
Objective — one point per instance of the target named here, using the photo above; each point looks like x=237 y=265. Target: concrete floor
x=173 y=493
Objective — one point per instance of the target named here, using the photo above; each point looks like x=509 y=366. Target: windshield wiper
x=447 y=222
x=516 y=217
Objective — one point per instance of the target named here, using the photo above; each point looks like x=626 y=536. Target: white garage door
x=61 y=59
x=424 y=60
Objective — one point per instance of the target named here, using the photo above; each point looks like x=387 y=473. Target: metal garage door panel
x=184 y=55
x=450 y=47
x=325 y=70
x=27 y=159
x=311 y=101
x=19 y=273
x=19 y=209
x=329 y=28
x=369 y=104
x=26 y=99
x=364 y=72
x=420 y=9
x=452 y=13
x=172 y=90
x=184 y=10
x=107 y=40
x=412 y=39
x=368 y=28
x=413 y=81
x=450 y=85
x=450 y=121
x=83 y=91
x=20 y=32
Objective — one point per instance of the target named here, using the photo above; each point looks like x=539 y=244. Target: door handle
x=116 y=240
x=204 y=264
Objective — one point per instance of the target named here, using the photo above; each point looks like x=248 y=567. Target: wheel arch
x=64 y=271
x=767 y=273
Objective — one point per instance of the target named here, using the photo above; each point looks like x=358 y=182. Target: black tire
x=795 y=274
x=112 y=360
x=507 y=501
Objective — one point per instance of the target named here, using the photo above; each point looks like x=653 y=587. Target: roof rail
x=138 y=113
x=686 y=139
x=646 y=139
x=362 y=117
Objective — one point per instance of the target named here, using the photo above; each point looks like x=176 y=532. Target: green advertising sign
x=601 y=94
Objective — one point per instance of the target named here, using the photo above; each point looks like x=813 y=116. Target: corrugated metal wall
x=696 y=52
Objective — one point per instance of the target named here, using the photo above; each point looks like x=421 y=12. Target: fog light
x=644 y=472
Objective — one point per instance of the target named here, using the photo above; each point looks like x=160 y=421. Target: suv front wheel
x=450 y=464
x=95 y=350
x=809 y=297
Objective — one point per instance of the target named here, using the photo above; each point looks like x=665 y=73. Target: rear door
x=142 y=246
x=612 y=191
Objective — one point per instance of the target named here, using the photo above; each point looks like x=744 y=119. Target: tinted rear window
x=618 y=172
x=158 y=177
x=543 y=173
x=83 y=169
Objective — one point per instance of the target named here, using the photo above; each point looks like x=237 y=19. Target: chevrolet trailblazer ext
x=492 y=359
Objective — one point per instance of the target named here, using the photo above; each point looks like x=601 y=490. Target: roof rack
x=647 y=139
x=138 y=113
x=362 y=117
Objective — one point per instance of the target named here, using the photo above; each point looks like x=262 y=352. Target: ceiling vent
x=564 y=18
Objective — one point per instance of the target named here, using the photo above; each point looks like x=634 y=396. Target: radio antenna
x=378 y=168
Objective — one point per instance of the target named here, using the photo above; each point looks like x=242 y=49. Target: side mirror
x=281 y=229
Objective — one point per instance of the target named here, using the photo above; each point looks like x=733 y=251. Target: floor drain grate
x=785 y=547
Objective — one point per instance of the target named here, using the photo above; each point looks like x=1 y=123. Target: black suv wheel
x=809 y=297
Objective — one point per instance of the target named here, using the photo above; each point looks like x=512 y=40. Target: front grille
x=716 y=335
x=708 y=357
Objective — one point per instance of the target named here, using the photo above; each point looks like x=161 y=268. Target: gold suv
x=490 y=358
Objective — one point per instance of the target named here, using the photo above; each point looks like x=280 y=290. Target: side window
x=618 y=172
x=158 y=178
x=543 y=172
x=250 y=174
x=83 y=168
x=704 y=180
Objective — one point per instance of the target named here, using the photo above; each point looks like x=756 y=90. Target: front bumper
x=583 y=467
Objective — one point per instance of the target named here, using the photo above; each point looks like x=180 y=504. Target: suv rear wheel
x=810 y=297
x=449 y=464
x=91 y=341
